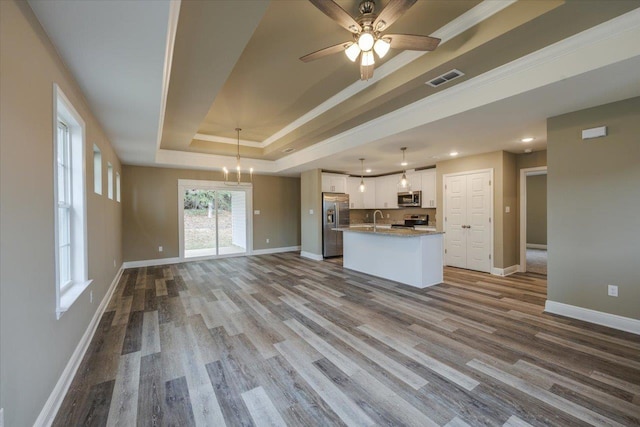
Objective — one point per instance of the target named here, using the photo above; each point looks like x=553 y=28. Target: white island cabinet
x=407 y=256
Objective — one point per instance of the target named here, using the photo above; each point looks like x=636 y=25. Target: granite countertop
x=400 y=232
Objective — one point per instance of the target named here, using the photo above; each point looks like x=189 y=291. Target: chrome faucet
x=374 y=217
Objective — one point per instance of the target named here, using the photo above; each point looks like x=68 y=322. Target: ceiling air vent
x=288 y=150
x=446 y=77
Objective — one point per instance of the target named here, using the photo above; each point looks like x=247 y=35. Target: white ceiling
x=119 y=51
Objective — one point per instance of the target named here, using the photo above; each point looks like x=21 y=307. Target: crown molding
x=172 y=29
x=225 y=140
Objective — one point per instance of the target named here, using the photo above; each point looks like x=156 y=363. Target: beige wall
x=34 y=346
x=594 y=204
x=311 y=200
x=150 y=210
x=537 y=209
x=504 y=231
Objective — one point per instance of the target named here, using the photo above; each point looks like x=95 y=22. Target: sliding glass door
x=214 y=219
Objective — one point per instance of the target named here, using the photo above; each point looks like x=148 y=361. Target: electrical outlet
x=256 y=212
x=114 y=262
x=310 y=211
x=507 y=209
x=160 y=248
x=388 y=215
x=612 y=290
x=267 y=240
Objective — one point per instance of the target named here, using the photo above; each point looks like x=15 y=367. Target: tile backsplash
x=391 y=216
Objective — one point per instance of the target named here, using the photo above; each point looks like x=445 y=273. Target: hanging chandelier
x=362 y=187
x=238 y=169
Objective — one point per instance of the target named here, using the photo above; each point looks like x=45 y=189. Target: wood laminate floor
x=280 y=340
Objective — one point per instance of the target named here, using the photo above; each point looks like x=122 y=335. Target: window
x=109 y=180
x=70 y=204
x=97 y=170
x=117 y=187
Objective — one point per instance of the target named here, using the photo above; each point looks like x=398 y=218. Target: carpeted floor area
x=537 y=261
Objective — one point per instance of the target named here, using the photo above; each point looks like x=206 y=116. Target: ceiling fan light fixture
x=365 y=41
x=352 y=52
x=381 y=47
x=367 y=59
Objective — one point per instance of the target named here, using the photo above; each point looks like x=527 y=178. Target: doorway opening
x=214 y=220
x=533 y=220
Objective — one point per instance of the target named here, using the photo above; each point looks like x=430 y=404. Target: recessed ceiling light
x=453 y=153
x=368 y=170
x=404 y=164
x=528 y=139
x=528 y=150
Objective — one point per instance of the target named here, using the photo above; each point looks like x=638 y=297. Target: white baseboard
x=275 y=250
x=52 y=405
x=536 y=246
x=311 y=255
x=505 y=271
x=614 y=321
x=152 y=262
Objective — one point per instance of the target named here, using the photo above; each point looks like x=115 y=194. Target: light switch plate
x=310 y=211
x=256 y=212
x=612 y=290
x=507 y=209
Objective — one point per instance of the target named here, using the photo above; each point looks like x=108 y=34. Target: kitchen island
x=412 y=257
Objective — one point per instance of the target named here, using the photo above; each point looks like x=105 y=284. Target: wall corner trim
x=309 y=255
x=275 y=250
x=52 y=405
x=505 y=271
x=614 y=321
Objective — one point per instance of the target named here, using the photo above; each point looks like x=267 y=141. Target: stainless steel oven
x=410 y=199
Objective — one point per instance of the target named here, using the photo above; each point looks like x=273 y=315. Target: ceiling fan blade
x=366 y=72
x=393 y=11
x=324 y=52
x=412 y=42
x=338 y=14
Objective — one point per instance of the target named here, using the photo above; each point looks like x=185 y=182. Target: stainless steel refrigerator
x=335 y=214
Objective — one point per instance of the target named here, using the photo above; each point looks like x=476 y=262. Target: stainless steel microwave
x=410 y=199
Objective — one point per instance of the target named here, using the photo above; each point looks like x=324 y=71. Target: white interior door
x=478 y=222
x=455 y=218
x=468 y=221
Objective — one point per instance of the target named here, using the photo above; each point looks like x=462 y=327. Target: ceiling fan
x=367 y=33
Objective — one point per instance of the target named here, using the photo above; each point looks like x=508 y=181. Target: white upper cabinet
x=334 y=183
x=369 y=195
x=358 y=200
x=415 y=181
x=429 y=188
x=387 y=192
